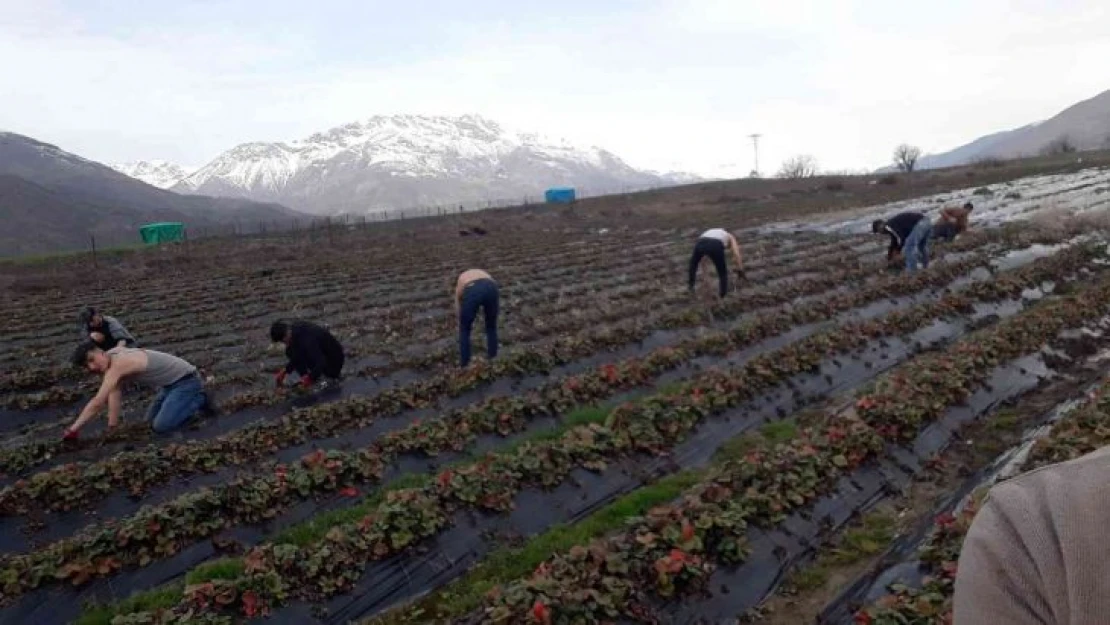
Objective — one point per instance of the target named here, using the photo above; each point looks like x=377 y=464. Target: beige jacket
x=1038 y=552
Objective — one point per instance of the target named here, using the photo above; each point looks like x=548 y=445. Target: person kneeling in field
x=181 y=391
x=952 y=222
x=475 y=289
x=107 y=332
x=311 y=350
x=713 y=243
x=909 y=235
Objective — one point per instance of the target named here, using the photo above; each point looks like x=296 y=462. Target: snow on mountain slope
x=402 y=161
x=161 y=174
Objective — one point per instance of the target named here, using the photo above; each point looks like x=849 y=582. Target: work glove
x=70 y=435
x=279 y=378
x=306 y=382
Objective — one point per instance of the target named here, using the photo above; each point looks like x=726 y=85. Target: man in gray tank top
x=181 y=392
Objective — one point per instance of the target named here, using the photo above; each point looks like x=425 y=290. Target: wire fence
x=370 y=217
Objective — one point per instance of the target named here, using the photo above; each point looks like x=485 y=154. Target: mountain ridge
x=59 y=198
x=400 y=161
x=1085 y=124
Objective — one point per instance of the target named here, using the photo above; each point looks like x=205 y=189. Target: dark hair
x=969 y=206
x=877 y=226
x=85 y=316
x=81 y=354
x=278 y=330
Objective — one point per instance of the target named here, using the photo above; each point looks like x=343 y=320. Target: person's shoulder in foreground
x=1038 y=552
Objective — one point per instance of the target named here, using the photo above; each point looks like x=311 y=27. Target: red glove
x=306 y=382
x=279 y=378
x=70 y=435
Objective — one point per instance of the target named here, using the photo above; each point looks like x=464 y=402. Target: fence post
x=92 y=240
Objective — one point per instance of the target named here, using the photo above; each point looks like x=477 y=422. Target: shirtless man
x=952 y=221
x=475 y=289
x=181 y=392
x=713 y=243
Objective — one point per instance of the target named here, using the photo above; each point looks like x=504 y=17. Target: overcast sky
x=664 y=84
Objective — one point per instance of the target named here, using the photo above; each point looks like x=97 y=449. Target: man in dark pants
x=312 y=352
x=475 y=289
x=909 y=235
x=713 y=243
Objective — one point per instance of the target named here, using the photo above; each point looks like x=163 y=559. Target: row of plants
x=67 y=486
x=22 y=458
x=1082 y=431
x=651 y=425
x=41 y=378
x=174 y=310
x=571 y=589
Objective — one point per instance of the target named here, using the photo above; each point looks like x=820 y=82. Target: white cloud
x=674 y=85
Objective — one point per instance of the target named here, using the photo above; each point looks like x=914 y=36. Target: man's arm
x=998 y=580
x=122 y=366
x=107 y=387
x=736 y=252
x=893 y=249
x=115 y=405
x=118 y=332
x=458 y=299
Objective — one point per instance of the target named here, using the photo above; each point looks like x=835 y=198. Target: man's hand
x=69 y=435
x=97 y=337
x=279 y=378
x=741 y=275
x=113 y=422
x=306 y=382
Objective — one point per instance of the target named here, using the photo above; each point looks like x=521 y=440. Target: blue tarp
x=559 y=195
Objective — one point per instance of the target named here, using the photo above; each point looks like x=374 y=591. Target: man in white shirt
x=713 y=243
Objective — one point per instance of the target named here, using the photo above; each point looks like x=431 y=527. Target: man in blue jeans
x=181 y=392
x=909 y=234
x=475 y=289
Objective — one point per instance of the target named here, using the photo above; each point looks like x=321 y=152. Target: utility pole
x=755 y=148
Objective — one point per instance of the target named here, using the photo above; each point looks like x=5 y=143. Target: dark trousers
x=333 y=361
x=715 y=250
x=478 y=294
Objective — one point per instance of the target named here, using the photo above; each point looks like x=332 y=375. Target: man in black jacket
x=909 y=234
x=312 y=351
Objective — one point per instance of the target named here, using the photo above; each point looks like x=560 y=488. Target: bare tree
x=801 y=166
x=1060 y=145
x=905 y=157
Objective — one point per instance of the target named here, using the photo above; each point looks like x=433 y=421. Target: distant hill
x=1085 y=126
x=55 y=199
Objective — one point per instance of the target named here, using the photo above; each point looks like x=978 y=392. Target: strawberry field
x=636 y=453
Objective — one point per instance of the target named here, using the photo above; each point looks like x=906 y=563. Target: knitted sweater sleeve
x=1000 y=574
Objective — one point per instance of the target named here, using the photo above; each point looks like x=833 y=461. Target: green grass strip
x=504 y=565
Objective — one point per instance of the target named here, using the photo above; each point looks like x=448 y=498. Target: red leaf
x=250 y=604
x=350 y=491
x=540 y=612
x=862 y=618
x=945 y=520
x=445 y=478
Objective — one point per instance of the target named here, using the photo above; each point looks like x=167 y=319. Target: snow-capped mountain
x=161 y=174
x=402 y=161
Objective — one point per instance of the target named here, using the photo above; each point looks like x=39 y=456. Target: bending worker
x=713 y=243
x=475 y=289
x=107 y=332
x=311 y=351
x=909 y=235
x=181 y=391
x=952 y=222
